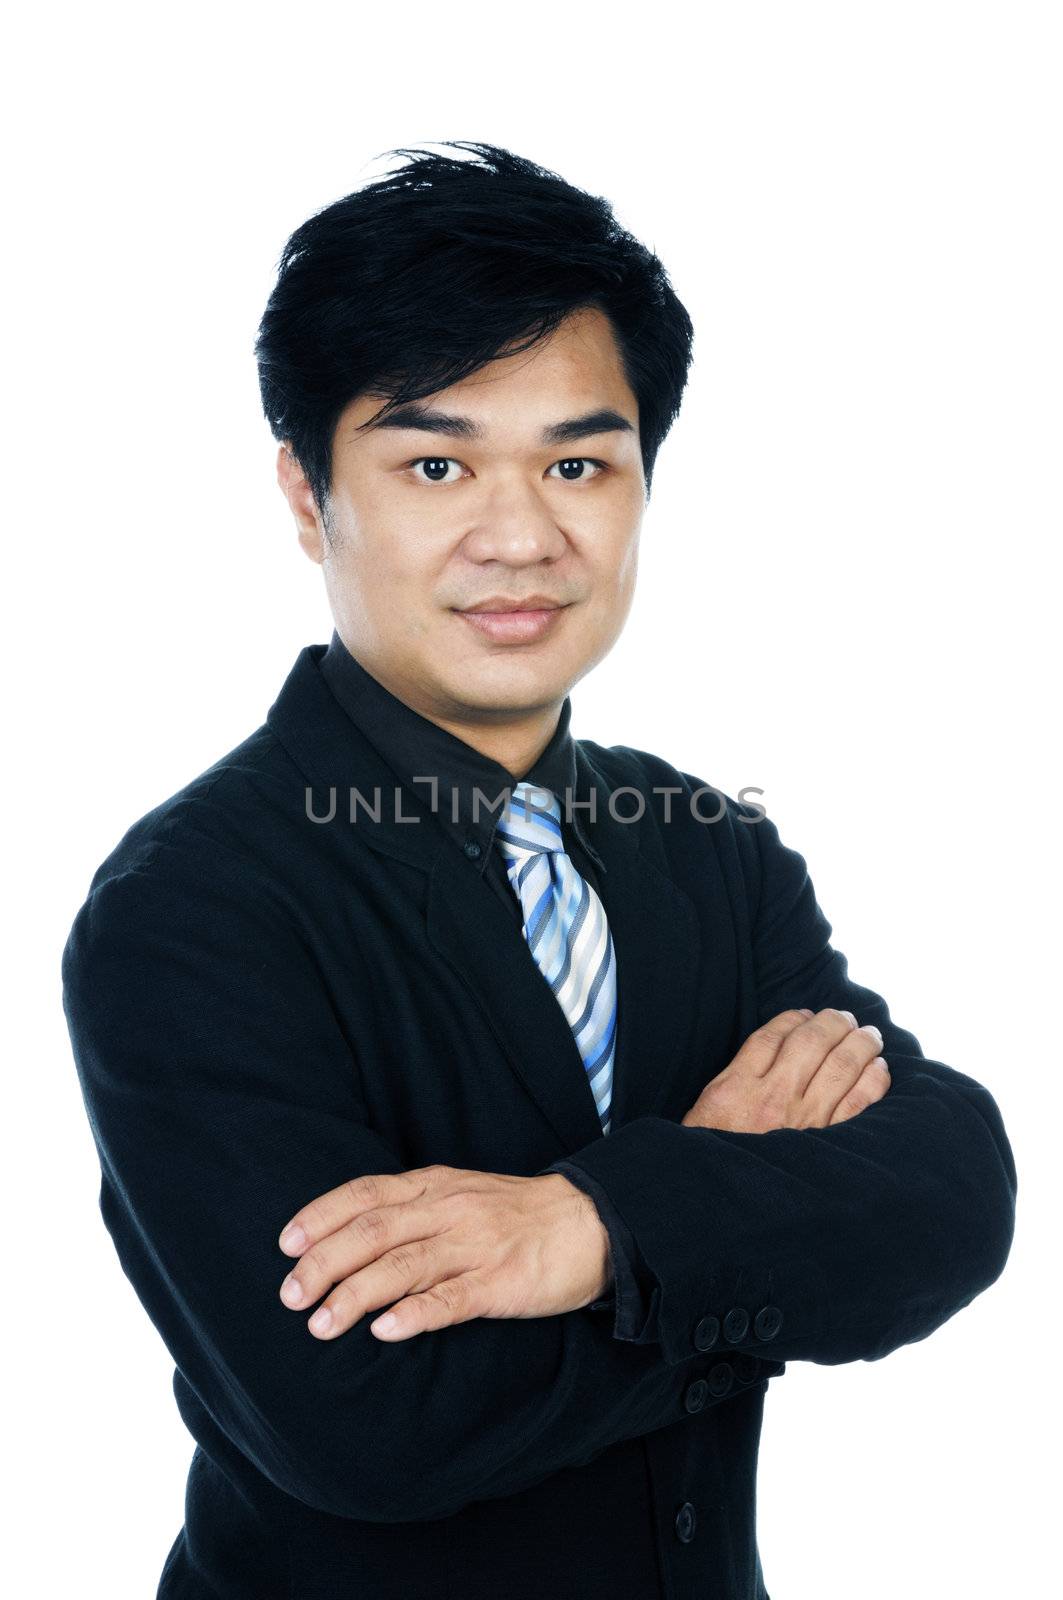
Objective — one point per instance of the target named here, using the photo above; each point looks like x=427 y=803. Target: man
x=484 y=1116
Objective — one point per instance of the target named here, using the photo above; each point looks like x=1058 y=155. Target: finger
x=406 y=1270
x=454 y=1300
x=806 y=1047
x=872 y=1084
x=354 y=1246
x=348 y=1200
x=761 y=1048
x=840 y=1070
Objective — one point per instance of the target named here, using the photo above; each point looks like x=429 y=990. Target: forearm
x=865 y=1235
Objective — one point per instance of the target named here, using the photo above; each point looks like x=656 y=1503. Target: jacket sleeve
x=840 y=1243
x=223 y=1094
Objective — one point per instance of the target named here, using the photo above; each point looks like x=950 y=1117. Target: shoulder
x=688 y=813
x=670 y=793
x=206 y=851
x=212 y=816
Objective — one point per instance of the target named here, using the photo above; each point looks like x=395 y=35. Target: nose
x=514 y=525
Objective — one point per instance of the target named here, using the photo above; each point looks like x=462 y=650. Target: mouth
x=514 y=622
x=496 y=605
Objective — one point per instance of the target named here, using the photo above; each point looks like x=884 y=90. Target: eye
x=578 y=462
x=437 y=467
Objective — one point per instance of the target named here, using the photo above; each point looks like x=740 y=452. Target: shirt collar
x=416 y=748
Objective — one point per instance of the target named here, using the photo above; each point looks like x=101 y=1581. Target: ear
x=296 y=490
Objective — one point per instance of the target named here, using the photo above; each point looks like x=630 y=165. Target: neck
x=513 y=738
x=514 y=745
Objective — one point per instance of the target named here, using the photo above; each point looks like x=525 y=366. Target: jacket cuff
x=717 y=1285
x=634 y=1295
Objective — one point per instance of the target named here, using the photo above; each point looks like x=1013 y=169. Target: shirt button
x=472 y=849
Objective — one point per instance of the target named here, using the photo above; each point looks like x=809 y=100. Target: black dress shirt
x=466 y=792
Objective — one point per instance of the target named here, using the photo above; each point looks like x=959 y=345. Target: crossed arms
x=188 y=1002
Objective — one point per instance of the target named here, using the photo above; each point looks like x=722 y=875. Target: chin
x=510 y=686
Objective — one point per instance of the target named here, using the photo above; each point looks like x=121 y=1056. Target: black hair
x=426 y=274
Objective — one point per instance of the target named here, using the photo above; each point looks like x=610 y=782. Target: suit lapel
x=653 y=923
x=655 y=938
x=469 y=926
x=655 y=932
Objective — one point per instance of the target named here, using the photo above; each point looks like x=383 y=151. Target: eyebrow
x=423 y=419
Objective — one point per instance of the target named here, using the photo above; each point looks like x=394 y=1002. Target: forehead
x=577 y=366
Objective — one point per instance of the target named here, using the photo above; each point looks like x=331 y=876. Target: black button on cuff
x=736 y=1325
x=747 y=1368
x=706 y=1333
x=696 y=1395
x=767 y=1322
x=685 y=1522
x=720 y=1379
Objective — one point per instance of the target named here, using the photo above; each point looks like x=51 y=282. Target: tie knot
x=531 y=822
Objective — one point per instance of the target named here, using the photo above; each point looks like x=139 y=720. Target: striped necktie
x=566 y=930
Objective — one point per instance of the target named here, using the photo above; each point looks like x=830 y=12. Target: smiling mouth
x=497 y=607
x=514 y=626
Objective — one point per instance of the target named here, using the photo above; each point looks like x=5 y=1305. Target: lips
x=501 y=622
x=496 y=604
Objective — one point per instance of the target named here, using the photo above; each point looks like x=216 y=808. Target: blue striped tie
x=566 y=930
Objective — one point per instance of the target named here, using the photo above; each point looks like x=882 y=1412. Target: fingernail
x=805 y=1012
x=849 y=1014
x=321 y=1321
x=293 y=1238
x=385 y=1323
x=869 y=1027
x=291 y=1290
x=880 y=1061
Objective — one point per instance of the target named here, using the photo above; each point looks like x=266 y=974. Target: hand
x=803 y=1069
x=444 y=1244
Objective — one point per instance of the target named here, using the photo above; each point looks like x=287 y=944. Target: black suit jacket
x=466 y=791
x=262 y=1006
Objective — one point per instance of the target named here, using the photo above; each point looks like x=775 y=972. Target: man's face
x=426 y=524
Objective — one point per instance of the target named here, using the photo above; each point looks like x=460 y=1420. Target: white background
x=847 y=590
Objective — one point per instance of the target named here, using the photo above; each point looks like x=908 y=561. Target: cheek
x=618 y=569
x=408 y=598
x=375 y=565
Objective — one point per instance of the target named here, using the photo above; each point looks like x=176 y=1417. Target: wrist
x=593 y=1229
x=602 y=1245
